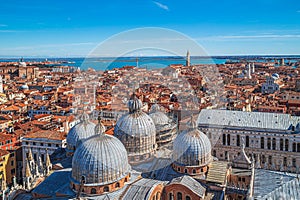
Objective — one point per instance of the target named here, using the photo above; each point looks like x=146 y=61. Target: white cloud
x=249 y=37
x=162 y=6
x=259 y=36
x=52 y=46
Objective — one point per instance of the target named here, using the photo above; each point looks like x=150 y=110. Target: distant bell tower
x=188 y=59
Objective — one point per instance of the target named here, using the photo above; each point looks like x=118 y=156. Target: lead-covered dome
x=165 y=128
x=100 y=160
x=137 y=132
x=192 y=147
x=158 y=117
x=82 y=130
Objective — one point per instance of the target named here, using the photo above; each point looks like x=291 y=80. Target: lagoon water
x=110 y=63
x=146 y=62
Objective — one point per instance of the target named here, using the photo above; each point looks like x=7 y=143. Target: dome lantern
x=134 y=104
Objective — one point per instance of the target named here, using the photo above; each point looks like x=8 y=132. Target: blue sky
x=74 y=28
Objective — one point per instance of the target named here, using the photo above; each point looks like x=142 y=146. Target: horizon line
x=145 y=56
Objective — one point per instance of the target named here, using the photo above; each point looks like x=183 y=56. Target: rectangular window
x=262 y=142
x=269 y=143
x=12 y=163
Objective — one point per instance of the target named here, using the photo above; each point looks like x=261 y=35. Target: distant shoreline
x=156 y=57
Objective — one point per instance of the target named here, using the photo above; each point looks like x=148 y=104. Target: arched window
x=262 y=142
x=274 y=143
x=224 y=139
x=187 y=198
x=117 y=185
x=281 y=144
x=106 y=189
x=247 y=141
x=270 y=160
x=285 y=161
x=179 y=196
x=178 y=169
x=269 y=143
x=263 y=159
x=126 y=179
x=228 y=140
x=214 y=153
x=286 y=144
x=294 y=147
x=238 y=140
x=185 y=171
x=157 y=196
x=171 y=196
x=93 y=191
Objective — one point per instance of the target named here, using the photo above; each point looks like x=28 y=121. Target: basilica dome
x=137 y=132
x=158 y=117
x=192 y=148
x=102 y=162
x=80 y=131
x=165 y=129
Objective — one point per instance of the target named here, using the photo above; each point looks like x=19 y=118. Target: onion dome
x=80 y=131
x=100 y=160
x=192 y=147
x=137 y=132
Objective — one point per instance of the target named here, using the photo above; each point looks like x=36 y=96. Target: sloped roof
x=273 y=185
x=261 y=120
x=190 y=183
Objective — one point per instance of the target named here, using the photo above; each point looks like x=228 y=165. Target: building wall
x=11 y=166
x=271 y=149
x=156 y=193
x=3 y=163
x=40 y=147
x=171 y=192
